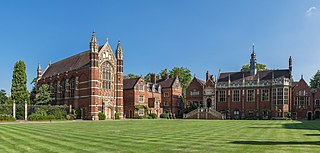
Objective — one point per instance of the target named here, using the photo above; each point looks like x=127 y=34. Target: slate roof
x=68 y=64
x=130 y=83
x=263 y=75
x=166 y=83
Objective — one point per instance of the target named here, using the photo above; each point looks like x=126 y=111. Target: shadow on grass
x=264 y=127
x=313 y=135
x=303 y=125
x=277 y=143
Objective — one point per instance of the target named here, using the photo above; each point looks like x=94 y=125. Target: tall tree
x=3 y=97
x=260 y=67
x=184 y=75
x=19 y=92
x=130 y=75
x=44 y=96
x=315 y=80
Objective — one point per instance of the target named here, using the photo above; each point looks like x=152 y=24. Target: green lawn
x=162 y=136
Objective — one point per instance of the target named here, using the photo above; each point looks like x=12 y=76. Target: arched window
x=63 y=88
x=55 y=89
x=72 y=87
x=106 y=76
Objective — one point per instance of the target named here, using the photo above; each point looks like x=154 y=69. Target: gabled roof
x=263 y=75
x=130 y=83
x=166 y=83
x=68 y=64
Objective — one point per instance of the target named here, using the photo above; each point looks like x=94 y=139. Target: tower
x=253 y=62
x=94 y=78
x=119 y=80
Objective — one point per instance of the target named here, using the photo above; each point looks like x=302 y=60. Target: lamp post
x=313 y=92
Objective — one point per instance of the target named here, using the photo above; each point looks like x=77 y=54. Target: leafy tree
x=184 y=75
x=260 y=67
x=130 y=75
x=45 y=96
x=19 y=92
x=3 y=97
x=315 y=80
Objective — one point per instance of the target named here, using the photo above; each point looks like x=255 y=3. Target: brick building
x=305 y=101
x=253 y=94
x=171 y=94
x=91 y=81
x=138 y=93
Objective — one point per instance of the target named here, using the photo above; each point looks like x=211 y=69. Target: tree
x=130 y=76
x=19 y=92
x=315 y=80
x=184 y=75
x=260 y=67
x=44 y=95
x=3 y=97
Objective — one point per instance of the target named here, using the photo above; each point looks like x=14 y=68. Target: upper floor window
x=236 y=95
x=250 y=95
x=265 y=95
x=166 y=94
x=222 y=96
x=194 y=93
x=141 y=87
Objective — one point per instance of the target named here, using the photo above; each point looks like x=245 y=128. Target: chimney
x=207 y=76
x=153 y=78
x=165 y=76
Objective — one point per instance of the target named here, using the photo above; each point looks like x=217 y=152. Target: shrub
x=5 y=117
x=164 y=115
x=153 y=115
x=102 y=116
x=116 y=116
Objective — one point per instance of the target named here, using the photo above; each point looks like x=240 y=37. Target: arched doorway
x=317 y=115
x=309 y=115
x=108 y=112
x=209 y=103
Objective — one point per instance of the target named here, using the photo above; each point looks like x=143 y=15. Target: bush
x=5 y=117
x=164 y=115
x=153 y=115
x=116 y=116
x=102 y=116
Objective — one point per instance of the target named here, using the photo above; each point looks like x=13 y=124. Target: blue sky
x=200 y=35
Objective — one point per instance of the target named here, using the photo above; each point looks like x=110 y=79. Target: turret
x=253 y=62
x=94 y=51
x=290 y=67
x=39 y=72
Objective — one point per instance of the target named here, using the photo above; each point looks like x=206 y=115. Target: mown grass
x=162 y=136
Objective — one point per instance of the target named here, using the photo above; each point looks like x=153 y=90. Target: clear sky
x=200 y=35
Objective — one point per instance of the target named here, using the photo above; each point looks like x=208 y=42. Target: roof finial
x=253 y=48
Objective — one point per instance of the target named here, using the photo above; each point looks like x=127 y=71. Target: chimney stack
x=153 y=78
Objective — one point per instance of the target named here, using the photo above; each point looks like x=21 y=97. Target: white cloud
x=311 y=11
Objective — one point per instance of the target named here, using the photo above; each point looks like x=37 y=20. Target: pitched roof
x=68 y=64
x=166 y=83
x=130 y=83
x=263 y=75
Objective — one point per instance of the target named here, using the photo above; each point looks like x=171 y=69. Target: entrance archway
x=309 y=115
x=209 y=103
